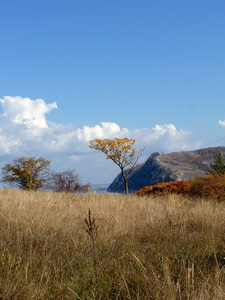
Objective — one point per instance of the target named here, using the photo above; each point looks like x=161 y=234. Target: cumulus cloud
x=106 y=130
x=164 y=137
x=26 y=111
x=26 y=131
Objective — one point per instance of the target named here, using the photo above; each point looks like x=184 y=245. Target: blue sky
x=137 y=64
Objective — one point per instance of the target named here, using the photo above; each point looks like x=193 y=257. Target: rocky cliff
x=175 y=166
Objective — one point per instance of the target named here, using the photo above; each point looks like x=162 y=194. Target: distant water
x=102 y=189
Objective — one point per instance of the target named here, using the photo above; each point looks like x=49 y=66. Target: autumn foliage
x=121 y=152
x=28 y=173
x=166 y=188
x=118 y=150
x=211 y=186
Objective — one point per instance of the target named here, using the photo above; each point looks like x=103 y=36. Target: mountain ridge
x=174 y=166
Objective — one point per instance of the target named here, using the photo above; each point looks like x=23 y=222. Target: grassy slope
x=147 y=248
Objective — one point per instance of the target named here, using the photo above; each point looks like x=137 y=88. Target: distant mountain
x=175 y=166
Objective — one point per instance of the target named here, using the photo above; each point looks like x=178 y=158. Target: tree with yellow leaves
x=28 y=173
x=121 y=152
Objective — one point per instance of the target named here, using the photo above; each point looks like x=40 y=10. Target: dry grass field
x=142 y=247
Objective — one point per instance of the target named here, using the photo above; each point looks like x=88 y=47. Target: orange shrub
x=165 y=188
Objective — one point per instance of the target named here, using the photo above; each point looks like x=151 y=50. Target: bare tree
x=68 y=181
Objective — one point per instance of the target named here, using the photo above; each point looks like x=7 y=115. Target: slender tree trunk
x=125 y=179
x=126 y=186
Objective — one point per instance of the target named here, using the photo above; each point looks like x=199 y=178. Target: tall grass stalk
x=92 y=230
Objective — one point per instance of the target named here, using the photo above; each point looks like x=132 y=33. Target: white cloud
x=164 y=138
x=106 y=130
x=222 y=123
x=26 y=111
x=26 y=131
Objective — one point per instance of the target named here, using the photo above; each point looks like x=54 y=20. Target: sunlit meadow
x=142 y=247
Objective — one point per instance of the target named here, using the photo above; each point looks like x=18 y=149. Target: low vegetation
x=98 y=246
x=166 y=188
x=211 y=186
